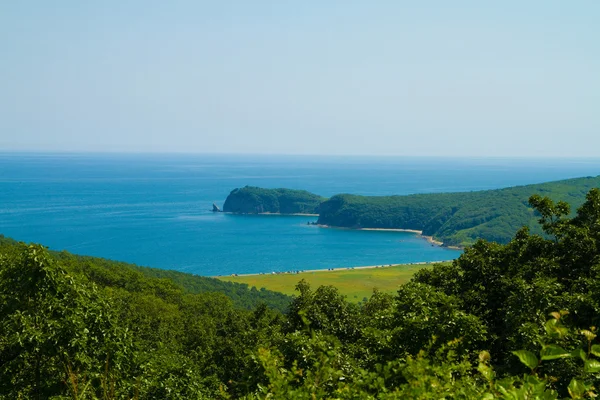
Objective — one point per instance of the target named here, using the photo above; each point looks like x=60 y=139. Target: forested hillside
x=514 y=321
x=109 y=273
x=254 y=200
x=453 y=218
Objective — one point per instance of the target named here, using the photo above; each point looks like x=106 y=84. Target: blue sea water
x=154 y=210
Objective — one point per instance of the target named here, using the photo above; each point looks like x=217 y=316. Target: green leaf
x=596 y=350
x=527 y=358
x=552 y=352
x=579 y=353
x=555 y=329
x=576 y=388
x=486 y=371
x=550 y=326
x=592 y=366
x=589 y=335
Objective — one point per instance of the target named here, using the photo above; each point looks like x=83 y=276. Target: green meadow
x=355 y=284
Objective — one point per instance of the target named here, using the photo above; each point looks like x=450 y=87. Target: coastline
x=418 y=233
x=372 y=229
x=392 y=230
x=305 y=271
x=429 y=239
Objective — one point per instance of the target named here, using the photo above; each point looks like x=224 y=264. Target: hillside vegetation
x=116 y=274
x=514 y=321
x=254 y=200
x=454 y=218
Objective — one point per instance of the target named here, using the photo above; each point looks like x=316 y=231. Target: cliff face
x=254 y=200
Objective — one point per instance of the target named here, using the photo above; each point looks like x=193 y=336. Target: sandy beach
x=372 y=229
x=391 y=230
x=430 y=239
x=294 y=214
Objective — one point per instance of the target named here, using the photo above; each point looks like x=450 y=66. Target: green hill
x=115 y=274
x=254 y=200
x=454 y=218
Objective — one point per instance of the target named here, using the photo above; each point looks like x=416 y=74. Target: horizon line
x=299 y=155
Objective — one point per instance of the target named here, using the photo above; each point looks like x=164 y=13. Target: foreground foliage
x=133 y=278
x=514 y=321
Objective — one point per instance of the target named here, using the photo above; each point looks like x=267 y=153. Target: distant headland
x=255 y=200
x=449 y=219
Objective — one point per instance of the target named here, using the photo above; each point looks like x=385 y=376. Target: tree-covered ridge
x=454 y=218
x=255 y=200
x=514 y=321
x=109 y=273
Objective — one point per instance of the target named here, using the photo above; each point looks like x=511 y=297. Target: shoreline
x=429 y=239
x=338 y=269
x=418 y=233
x=372 y=229
x=392 y=230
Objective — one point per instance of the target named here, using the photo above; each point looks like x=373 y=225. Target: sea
x=155 y=209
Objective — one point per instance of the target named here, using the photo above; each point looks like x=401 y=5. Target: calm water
x=154 y=209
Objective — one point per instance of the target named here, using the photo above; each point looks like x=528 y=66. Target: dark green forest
x=255 y=200
x=507 y=321
x=456 y=219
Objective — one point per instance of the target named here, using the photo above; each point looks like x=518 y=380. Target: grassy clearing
x=355 y=284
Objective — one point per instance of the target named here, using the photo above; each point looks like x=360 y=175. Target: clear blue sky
x=454 y=78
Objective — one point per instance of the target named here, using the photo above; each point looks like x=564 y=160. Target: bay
x=154 y=209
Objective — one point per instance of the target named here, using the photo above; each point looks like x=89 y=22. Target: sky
x=413 y=78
